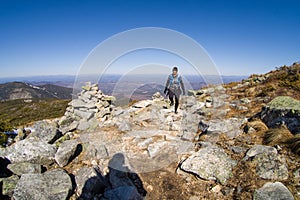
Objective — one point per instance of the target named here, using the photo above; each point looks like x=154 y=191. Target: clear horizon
x=43 y=38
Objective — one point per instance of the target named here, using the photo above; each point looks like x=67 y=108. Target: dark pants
x=175 y=93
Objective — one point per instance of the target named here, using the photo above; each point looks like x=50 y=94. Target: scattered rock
x=25 y=168
x=54 y=184
x=238 y=150
x=142 y=104
x=269 y=164
x=282 y=110
x=9 y=184
x=31 y=150
x=155 y=148
x=272 y=191
x=259 y=149
x=45 y=131
x=210 y=163
x=66 y=152
x=231 y=127
x=157 y=96
x=125 y=126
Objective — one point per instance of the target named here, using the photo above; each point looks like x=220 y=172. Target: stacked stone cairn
x=88 y=110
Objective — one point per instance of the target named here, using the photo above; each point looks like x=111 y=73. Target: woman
x=174 y=87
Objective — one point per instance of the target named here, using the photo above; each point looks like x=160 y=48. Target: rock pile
x=92 y=150
x=90 y=108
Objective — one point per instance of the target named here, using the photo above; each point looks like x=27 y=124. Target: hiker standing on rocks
x=174 y=87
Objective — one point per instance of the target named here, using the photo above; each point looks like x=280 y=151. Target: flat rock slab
x=231 y=127
x=65 y=152
x=210 y=163
x=55 y=184
x=269 y=164
x=272 y=191
x=31 y=150
x=46 y=131
x=25 y=168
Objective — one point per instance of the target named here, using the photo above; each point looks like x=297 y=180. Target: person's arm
x=167 y=85
x=182 y=85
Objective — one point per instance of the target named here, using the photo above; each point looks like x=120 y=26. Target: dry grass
x=275 y=136
x=294 y=144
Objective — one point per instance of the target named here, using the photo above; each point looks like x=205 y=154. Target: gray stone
x=157 y=96
x=103 y=112
x=282 y=110
x=45 y=131
x=87 y=86
x=125 y=126
x=9 y=184
x=270 y=165
x=259 y=149
x=124 y=192
x=72 y=127
x=55 y=184
x=24 y=168
x=188 y=136
x=88 y=125
x=191 y=93
x=31 y=150
x=144 y=144
x=273 y=191
x=197 y=107
x=66 y=152
x=95 y=151
x=118 y=111
x=210 y=163
x=142 y=104
x=231 y=127
x=84 y=114
x=108 y=98
x=155 y=148
x=238 y=150
x=77 y=103
x=89 y=182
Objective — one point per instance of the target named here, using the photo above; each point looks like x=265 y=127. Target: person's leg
x=171 y=97
x=177 y=97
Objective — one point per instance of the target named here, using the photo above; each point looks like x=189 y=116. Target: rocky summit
x=233 y=141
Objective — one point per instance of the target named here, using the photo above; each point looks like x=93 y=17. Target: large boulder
x=210 y=163
x=31 y=150
x=282 y=109
x=269 y=164
x=25 y=168
x=66 y=152
x=89 y=182
x=46 y=131
x=54 y=184
x=272 y=191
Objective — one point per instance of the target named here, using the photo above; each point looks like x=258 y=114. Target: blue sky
x=46 y=37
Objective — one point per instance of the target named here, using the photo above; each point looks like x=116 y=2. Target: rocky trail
x=226 y=142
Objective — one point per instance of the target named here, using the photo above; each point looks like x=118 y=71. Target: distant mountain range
x=61 y=87
x=21 y=90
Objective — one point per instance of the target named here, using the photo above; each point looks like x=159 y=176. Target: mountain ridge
x=22 y=90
